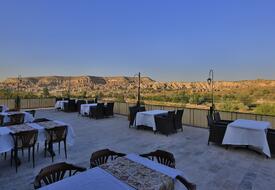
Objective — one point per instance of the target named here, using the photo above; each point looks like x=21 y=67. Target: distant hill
x=59 y=84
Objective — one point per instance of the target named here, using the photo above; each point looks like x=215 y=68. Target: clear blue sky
x=164 y=39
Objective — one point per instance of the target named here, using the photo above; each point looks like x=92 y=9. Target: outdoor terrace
x=209 y=167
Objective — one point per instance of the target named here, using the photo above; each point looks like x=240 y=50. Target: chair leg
x=16 y=157
x=11 y=157
x=33 y=160
x=5 y=157
x=65 y=148
x=29 y=154
x=59 y=147
x=45 y=149
x=37 y=147
x=51 y=149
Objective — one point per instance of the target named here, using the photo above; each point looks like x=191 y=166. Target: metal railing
x=197 y=117
x=191 y=116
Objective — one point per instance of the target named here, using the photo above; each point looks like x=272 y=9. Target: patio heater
x=17 y=99
x=210 y=82
x=138 y=92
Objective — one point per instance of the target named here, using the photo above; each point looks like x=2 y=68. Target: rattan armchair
x=2 y=120
x=97 y=112
x=102 y=156
x=271 y=140
x=216 y=131
x=109 y=109
x=162 y=157
x=70 y=106
x=165 y=124
x=55 y=172
x=78 y=105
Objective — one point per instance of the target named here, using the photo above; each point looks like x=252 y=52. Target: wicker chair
x=70 y=106
x=165 y=124
x=102 y=156
x=55 y=172
x=32 y=112
x=40 y=120
x=178 y=119
x=78 y=105
x=97 y=112
x=55 y=135
x=23 y=140
x=2 y=120
x=186 y=183
x=271 y=140
x=16 y=119
x=217 y=119
x=216 y=131
x=109 y=109
x=133 y=112
x=162 y=157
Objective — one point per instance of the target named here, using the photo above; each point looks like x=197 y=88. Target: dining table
x=28 y=117
x=249 y=133
x=6 y=141
x=124 y=173
x=85 y=108
x=147 y=118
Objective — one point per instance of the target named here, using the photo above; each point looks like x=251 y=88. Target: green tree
x=45 y=92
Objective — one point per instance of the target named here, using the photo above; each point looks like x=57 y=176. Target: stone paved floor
x=210 y=167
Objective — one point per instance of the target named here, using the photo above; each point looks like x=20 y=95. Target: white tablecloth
x=27 y=118
x=99 y=179
x=147 y=118
x=60 y=104
x=4 y=108
x=6 y=142
x=85 y=108
x=248 y=132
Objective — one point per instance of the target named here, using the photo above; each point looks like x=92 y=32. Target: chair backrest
x=91 y=101
x=178 y=119
x=40 y=120
x=55 y=172
x=17 y=118
x=31 y=112
x=133 y=112
x=171 y=114
x=79 y=103
x=58 y=99
x=162 y=157
x=57 y=134
x=12 y=110
x=141 y=108
x=110 y=105
x=24 y=139
x=102 y=156
x=217 y=116
x=210 y=121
